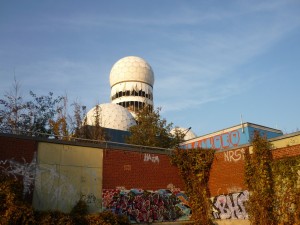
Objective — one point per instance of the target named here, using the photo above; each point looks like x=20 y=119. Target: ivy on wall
x=287 y=190
x=274 y=185
x=259 y=181
x=194 y=167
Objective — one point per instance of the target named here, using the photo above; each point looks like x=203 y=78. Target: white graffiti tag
x=152 y=158
x=234 y=155
x=24 y=169
x=230 y=206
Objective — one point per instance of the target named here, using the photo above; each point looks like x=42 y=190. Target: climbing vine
x=259 y=181
x=274 y=185
x=194 y=167
x=287 y=190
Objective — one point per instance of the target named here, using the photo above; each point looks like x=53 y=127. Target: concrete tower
x=131 y=81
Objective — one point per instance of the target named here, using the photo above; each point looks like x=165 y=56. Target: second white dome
x=111 y=116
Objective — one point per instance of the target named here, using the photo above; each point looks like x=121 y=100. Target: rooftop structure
x=231 y=137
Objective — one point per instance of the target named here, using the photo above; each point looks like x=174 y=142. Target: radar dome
x=131 y=68
x=111 y=116
x=131 y=80
x=189 y=134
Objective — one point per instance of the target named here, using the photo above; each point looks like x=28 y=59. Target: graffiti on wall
x=234 y=155
x=151 y=158
x=31 y=175
x=147 y=206
x=220 y=141
x=230 y=206
x=26 y=170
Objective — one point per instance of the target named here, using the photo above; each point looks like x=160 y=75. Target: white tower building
x=131 y=80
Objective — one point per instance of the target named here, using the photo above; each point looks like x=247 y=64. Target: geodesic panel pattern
x=111 y=116
x=131 y=68
x=189 y=134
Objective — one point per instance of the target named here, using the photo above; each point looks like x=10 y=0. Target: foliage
x=12 y=208
x=80 y=208
x=41 y=110
x=194 y=167
x=286 y=173
x=46 y=115
x=259 y=181
x=79 y=212
x=53 y=217
x=79 y=115
x=14 y=211
x=12 y=109
x=95 y=131
x=18 y=116
x=153 y=131
x=59 y=125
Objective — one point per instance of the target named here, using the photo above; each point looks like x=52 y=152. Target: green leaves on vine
x=194 y=167
x=286 y=173
x=274 y=185
x=259 y=181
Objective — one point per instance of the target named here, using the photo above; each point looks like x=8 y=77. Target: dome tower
x=131 y=81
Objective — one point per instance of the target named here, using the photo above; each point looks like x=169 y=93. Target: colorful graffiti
x=220 y=141
x=147 y=206
x=230 y=206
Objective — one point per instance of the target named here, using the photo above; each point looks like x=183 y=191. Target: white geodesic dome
x=111 y=116
x=189 y=134
x=131 y=69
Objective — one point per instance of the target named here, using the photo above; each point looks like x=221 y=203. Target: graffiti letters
x=144 y=206
x=151 y=158
x=220 y=141
x=234 y=155
x=230 y=206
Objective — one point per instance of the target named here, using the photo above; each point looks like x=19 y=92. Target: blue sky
x=213 y=60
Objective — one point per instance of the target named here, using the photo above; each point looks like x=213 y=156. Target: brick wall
x=288 y=151
x=138 y=170
x=227 y=172
x=17 y=148
x=132 y=169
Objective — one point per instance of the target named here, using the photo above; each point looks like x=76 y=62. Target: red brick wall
x=17 y=148
x=134 y=170
x=131 y=169
x=286 y=151
x=227 y=172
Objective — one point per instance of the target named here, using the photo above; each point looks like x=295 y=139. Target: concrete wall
x=65 y=174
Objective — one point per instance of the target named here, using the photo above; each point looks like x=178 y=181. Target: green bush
x=107 y=218
x=53 y=218
x=80 y=208
x=79 y=213
x=13 y=210
x=194 y=168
